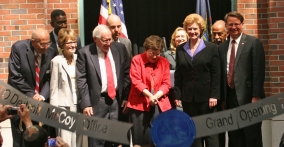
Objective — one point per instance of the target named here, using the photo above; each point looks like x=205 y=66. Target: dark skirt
x=141 y=125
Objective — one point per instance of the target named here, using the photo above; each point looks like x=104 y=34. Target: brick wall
x=264 y=19
x=19 y=17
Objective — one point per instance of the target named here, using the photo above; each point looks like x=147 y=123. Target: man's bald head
x=40 y=40
x=219 y=32
x=114 y=24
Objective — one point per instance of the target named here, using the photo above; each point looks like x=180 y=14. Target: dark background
x=151 y=17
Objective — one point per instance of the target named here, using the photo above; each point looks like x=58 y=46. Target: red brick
x=28 y=16
x=240 y=6
x=15 y=33
x=53 y=1
x=68 y=1
x=275 y=41
x=17 y=1
x=5 y=2
x=3 y=12
x=11 y=6
x=28 y=27
x=11 y=38
x=275 y=9
x=275 y=20
x=5 y=44
x=11 y=17
x=61 y=6
x=280 y=3
x=11 y=27
x=3 y=76
x=251 y=5
x=246 y=11
x=32 y=6
x=35 y=11
x=40 y=5
x=5 y=33
x=18 y=22
x=252 y=27
x=280 y=36
x=35 y=1
x=40 y=16
x=25 y=37
x=4 y=55
x=36 y=21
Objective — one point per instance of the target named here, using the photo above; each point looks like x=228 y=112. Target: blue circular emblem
x=173 y=128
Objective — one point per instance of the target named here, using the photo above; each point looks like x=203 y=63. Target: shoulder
x=87 y=48
x=124 y=39
x=210 y=44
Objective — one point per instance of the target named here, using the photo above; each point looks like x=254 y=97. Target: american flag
x=113 y=7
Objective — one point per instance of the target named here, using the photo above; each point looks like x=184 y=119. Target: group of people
x=103 y=79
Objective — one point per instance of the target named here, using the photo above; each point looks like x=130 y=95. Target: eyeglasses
x=45 y=44
x=155 y=54
x=60 y=23
x=106 y=41
x=234 y=24
x=71 y=43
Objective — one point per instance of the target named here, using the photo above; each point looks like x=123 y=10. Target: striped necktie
x=37 y=72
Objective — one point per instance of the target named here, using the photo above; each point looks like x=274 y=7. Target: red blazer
x=140 y=81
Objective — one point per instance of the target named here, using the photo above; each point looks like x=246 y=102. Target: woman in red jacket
x=150 y=77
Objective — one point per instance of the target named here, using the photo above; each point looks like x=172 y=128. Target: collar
x=237 y=40
x=146 y=61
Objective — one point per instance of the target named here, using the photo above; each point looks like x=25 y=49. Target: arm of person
x=178 y=80
x=84 y=98
x=15 y=77
x=215 y=70
x=54 y=83
x=258 y=70
x=24 y=114
x=166 y=79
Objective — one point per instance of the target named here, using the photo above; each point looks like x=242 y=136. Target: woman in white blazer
x=63 y=87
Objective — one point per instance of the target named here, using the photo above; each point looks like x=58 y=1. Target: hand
x=38 y=97
x=212 y=102
x=178 y=103
x=3 y=113
x=125 y=108
x=255 y=99
x=153 y=100
x=24 y=114
x=61 y=143
x=88 y=111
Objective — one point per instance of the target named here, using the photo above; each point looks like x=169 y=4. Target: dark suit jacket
x=171 y=58
x=197 y=79
x=22 y=69
x=127 y=44
x=88 y=74
x=54 y=46
x=249 y=69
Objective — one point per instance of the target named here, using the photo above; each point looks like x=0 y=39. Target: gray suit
x=171 y=58
x=127 y=44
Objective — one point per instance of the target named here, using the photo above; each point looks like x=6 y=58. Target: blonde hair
x=173 y=44
x=63 y=35
x=195 y=18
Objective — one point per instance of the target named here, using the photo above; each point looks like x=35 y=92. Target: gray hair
x=98 y=29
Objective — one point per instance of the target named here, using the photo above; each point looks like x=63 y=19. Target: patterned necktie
x=231 y=66
x=110 y=79
x=37 y=71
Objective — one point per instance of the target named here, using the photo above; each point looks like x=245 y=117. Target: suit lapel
x=31 y=59
x=43 y=65
x=240 y=48
x=95 y=59
x=64 y=65
x=115 y=55
x=224 y=55
x=196 y=57
x=52 y=39
x=187 y=57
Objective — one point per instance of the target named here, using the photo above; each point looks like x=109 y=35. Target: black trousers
x=250 y=136
x=199 y=108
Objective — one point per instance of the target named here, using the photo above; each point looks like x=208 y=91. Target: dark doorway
x=151 y=17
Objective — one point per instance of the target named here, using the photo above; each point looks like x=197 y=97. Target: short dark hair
x=35 y=136
x=153 y=42
x=234 y=14
x=56 y=13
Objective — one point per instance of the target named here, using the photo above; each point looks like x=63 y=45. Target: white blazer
x=61 y=93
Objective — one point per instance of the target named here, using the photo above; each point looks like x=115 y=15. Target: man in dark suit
x=243 y=70
x=102 y=75
x=59 y=21
x=26 y=59
x=114 y=24
x=219 y=34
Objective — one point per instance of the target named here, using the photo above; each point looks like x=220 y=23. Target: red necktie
x=231 y=66
x=37 y=71
x=110 y=79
